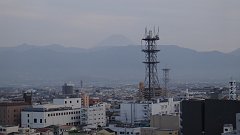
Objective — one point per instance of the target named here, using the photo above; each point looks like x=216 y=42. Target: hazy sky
x=197 y=24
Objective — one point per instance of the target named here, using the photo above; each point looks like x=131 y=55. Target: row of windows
x=36 y=121
x=63 y=113
x=73 y=123
x=127 y=133
x=95 y=114
x=2 y=129
x=71 y=102
x=95 y=118
x=73 y=118
x=164 y=106
x=97 y=123
x=99 y=109
x=14 y=120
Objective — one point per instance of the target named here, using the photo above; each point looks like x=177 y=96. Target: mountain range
x=50 y=63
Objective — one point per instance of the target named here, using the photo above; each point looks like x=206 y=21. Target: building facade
x=96 y=116
x=165 y=122
x=67 y=89
x=207 y=116
x=61 y=112
x=85 y=100
x=141 y=112
x=10 y=112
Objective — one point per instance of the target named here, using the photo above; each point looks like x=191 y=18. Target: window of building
x=35 y=120
x=28 y=120
x=48 y=115
x=77 y=101
x=70 y=102
x=40 y=120
x=65 y=102
x=45 y=121
x=27 y=115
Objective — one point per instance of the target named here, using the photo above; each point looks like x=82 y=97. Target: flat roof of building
x=14 y=103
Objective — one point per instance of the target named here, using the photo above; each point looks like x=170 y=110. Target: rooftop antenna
x=145 y=31
x=154 y=31
x=232 y=90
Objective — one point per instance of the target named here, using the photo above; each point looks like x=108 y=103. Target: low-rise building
x=165 y=121
x=140 y=112
x=157 y=131
x=61 y=112
x=94 y=101
x=85 y=99
x=10 y=112
x=5 y=130
x=96 y=115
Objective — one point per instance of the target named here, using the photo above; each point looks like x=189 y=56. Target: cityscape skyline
x=87 y=67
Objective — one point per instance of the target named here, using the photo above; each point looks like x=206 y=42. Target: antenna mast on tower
x=152 y=86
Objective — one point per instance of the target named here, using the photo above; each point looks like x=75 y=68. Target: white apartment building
x=96 y=116
x=139 y=112
x=61 y=112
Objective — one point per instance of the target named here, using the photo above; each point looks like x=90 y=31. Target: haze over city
x=127 y=67
x=200 y=25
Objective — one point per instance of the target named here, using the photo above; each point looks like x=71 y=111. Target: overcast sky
x=197 y=24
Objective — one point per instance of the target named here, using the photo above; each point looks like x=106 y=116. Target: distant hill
x=115 y=40
x=28 y=63
x=236 y=52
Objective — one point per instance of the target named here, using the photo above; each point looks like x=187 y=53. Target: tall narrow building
x=67 y=89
